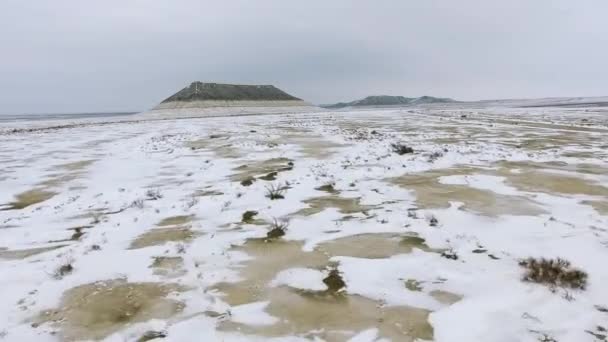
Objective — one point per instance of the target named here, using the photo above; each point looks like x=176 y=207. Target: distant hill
x=203 y=99
x=199 y=91
x=385 y=100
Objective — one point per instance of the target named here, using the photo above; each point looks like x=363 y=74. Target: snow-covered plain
x=130 y=231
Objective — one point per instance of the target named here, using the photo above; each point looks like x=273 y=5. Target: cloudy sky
x=122 y=55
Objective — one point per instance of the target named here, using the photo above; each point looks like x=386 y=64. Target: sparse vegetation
x=600 y=333
x=248 y=216
x=180 y=248
x=450 y=254
x=277 y=229
x=151 y=335
x=153 y=195
x=434 y=156
x=64 y=269
x=412 y=213
x=247 y=181
x=138 y=203
x=413 y=285
x=191 y=202
x=329 y=187
x=601 y=308
x=270 y=176
x=554 y=273
x=226 y=205
x=401 y=149
x=546 y=338
x=275 y=192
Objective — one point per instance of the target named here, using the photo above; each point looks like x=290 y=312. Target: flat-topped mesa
x=210 y=95
x=199 y=91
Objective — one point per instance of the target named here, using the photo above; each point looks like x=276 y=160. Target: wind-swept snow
x=122 y=230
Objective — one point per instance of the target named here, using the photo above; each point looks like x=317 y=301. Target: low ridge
x=385 y=100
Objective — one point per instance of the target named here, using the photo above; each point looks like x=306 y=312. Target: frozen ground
x=163 y=229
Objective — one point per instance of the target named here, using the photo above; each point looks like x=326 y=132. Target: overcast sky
x=127 y=55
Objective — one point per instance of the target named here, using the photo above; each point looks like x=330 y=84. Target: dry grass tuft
x=248 y=181
x=275 y=192
x=554 y=272
x=152 y=335
x=63 y=270
x=401 y=149
x=248 y=216
x=153 y=195
x=277 y=229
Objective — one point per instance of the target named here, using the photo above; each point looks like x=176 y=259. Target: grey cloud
x=71 y=56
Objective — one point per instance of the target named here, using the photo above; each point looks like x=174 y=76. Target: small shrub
x=180 y=248
x=554 y=272
x=277 y=229
x=248 y=216
x=248 y=181
x=153 y=195
x=329 y=187
x=413 y=285
x=270 y=176
x=601 y=308
x=334 y=281
x=449 y=254
x=546 y=338
x=434 y=156
x=600 y=333
x=401 y=149
x=139 y=203
x=411 y=213
x=63 y=270
x=191 y=202
x=275 y=192
x=226 y=205
x=433 y=221
x=152 y=335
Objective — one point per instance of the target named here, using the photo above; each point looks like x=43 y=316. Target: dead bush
x=401 y=149
x=334 y=281
x=64 y=269
x=248 y=181
x=277 y=229
x=153 y=195
x=274 y=191
x=554 y=272
x=248 y=216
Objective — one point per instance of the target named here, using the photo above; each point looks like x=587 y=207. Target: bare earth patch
x=160 y=236
x=28 y=198
x=96 y=310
